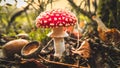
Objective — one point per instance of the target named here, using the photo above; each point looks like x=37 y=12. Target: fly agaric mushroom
x=57 y=19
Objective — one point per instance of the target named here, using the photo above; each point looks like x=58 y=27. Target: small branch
x=5 y=61
x=16 y=15
x=64 y=64
x=89 y=15
x=81 y=3
x=75 y=39
x=34 y=6
x=28 y=19
x=105 y=47
x=47 y=44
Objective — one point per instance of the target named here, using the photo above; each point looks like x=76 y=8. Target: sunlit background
x=20 y=3
x=55 y=4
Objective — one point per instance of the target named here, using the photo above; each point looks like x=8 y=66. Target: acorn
x=13 y=47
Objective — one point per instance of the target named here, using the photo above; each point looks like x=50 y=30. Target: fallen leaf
x=108 y=35
x=83 y=50
x=72 y=31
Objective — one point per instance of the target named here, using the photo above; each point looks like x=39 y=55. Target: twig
x=13 y=62
x=78 y=61
x=47 y=44
x=81 y=3
x=34 y=6
x=79 y=9
x=28 y=19
x=17 y=14
x=78 y=44
x=105 y=47
x=59 y=63
x=74 y=39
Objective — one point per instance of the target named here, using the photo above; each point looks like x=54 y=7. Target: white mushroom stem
x=59 y=46
x=58 y=35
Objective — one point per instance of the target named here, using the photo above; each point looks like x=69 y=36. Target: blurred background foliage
x=16 y=19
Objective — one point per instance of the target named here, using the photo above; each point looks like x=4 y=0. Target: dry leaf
x=82 y=24
x=106 y=34
x=69 y=29
x=101 y=28
x=113 y=35
x=83 y=50
x=73 y=31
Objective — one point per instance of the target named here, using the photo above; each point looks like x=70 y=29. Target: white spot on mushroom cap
x=59 y=18
x=52 y=24
x=64 y=14
x=39 y=17
x=72 y=24
x=55 y=18
x=63 y=18
x=60 y=24
x=49 y=19
x=51 y=14
x=70 y=19
x=47 y=16
x=57 y=15
x=54 y=12
x=63 y=22
x=45 y=21
x=67 y=24
x=66 y=19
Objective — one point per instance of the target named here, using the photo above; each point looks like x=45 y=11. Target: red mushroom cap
x=56 y=18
